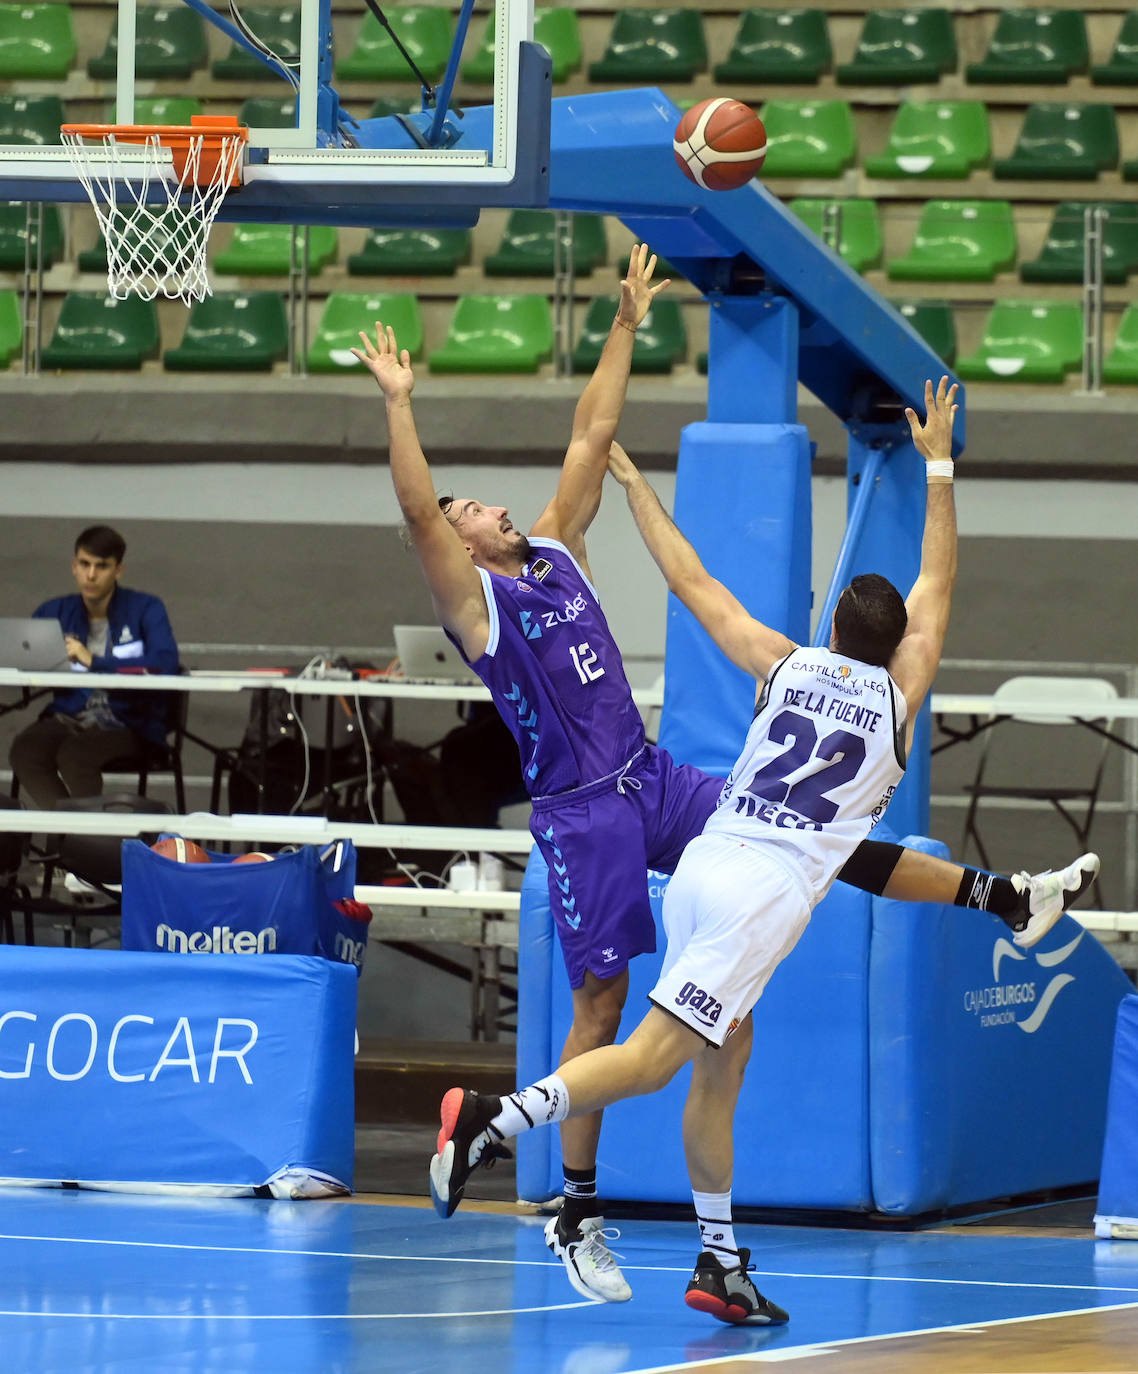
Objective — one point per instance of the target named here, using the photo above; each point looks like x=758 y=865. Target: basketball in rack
x=156 y=190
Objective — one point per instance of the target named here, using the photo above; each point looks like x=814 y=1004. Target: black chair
x=161 y=758
x=13 y=848
x=95 y=859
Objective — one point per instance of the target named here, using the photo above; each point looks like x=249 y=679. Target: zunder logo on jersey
x=530 y=628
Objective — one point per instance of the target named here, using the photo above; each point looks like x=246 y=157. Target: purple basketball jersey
x=555 y=673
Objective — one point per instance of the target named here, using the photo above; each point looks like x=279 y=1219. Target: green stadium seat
x=37 y=42
x=808 y=138
x=162 y=109
x=169 y=42
x=411 y=253
x=1061 y=258
x=661 y=340
x=1034 y=46
x=264 y=250
x=527 y=247
x=346 y=313
x=11 y=327
x=232 y=332
x=935 y=138
x=267 y=112
x=1027 y=341
x=30 y=119
x=959 y=240
x=653 y=45
x=496 y=334
x=1121 y=363
x=1062 y=142
x=557 y=30
x=790 y=47
x=933 y=321
x=427 y=35
x=859 y=239
x=14 y=235
x=278 y=27
x=1122 y=69
x=1130 y=170
x=906 y=47
x=98 y=331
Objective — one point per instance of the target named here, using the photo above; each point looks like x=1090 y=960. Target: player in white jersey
x=823 y=754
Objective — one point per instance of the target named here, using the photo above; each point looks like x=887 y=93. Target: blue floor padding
x=93 y=1282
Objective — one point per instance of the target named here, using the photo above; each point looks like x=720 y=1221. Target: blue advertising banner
x=225 y=1074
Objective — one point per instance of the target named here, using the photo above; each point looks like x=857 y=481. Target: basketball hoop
x=156 y=190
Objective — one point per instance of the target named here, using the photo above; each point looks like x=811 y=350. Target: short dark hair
x=102 y=541
x=870 y=619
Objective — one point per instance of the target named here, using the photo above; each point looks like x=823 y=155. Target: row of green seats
x=973 y=240
x=248 y=331
x=1023 y=341
x=895 y=46
x=1058 y=141
x=955 y=240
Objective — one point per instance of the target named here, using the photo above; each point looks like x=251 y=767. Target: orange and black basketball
x=182 y=851
x=720 y=144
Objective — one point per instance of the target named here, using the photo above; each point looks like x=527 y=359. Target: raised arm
x=915 y=662
x=578 y=494
x=455 y=586
x=747 y=642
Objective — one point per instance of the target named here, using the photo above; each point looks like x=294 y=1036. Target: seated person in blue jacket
x=108 y=629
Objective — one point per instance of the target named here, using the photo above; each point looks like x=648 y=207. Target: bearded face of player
x=489 y=533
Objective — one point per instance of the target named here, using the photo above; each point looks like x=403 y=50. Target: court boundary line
x=797 y=1352
x=554 y=1263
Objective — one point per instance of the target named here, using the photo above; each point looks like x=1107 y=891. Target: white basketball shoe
x=1049 y=895
x=588 y=1261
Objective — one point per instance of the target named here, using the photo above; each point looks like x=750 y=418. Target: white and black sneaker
x=729 y=1294
x=1048 y=895
x=466 y=1142
x=583 y=1249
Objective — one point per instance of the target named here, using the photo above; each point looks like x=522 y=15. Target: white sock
x=716 y=1233
x=541 y=1104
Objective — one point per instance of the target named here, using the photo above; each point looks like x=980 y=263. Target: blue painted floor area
x=98 y=1282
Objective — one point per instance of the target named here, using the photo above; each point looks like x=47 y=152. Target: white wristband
x=939 y=467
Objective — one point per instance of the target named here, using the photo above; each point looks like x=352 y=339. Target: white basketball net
x=155 y=223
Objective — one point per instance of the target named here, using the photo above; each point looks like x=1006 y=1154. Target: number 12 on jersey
x=585 y=661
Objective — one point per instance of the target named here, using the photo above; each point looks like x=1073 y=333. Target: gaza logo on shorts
x=703 y=1006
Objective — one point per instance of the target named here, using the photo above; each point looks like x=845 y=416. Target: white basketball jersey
x=823 y=756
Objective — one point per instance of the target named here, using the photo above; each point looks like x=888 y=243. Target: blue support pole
x=743 y=499
x=855 y=524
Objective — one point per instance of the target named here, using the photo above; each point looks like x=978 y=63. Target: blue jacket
x=139 y=638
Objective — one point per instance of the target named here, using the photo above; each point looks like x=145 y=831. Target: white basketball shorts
x=731 y=914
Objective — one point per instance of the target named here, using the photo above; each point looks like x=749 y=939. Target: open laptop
x=427 y=655
x=34 y=645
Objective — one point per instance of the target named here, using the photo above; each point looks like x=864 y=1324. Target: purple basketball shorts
x=600 y=840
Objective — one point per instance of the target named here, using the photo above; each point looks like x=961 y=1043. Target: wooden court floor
x=104 y=1282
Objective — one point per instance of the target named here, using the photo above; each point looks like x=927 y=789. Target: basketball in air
x=720 y=144
x=256 y=857
x=182 y=851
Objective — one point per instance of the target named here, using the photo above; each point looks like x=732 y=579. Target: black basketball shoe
x=729 y=1294
x=466 y=1135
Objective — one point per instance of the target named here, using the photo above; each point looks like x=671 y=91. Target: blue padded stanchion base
x=1117 y=1215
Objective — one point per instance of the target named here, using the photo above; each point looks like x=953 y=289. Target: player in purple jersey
x=607 y=806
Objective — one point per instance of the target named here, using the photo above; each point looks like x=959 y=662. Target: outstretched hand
x=390 y=367
x=933 y=439
x=637 y=290
x=621 y=465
